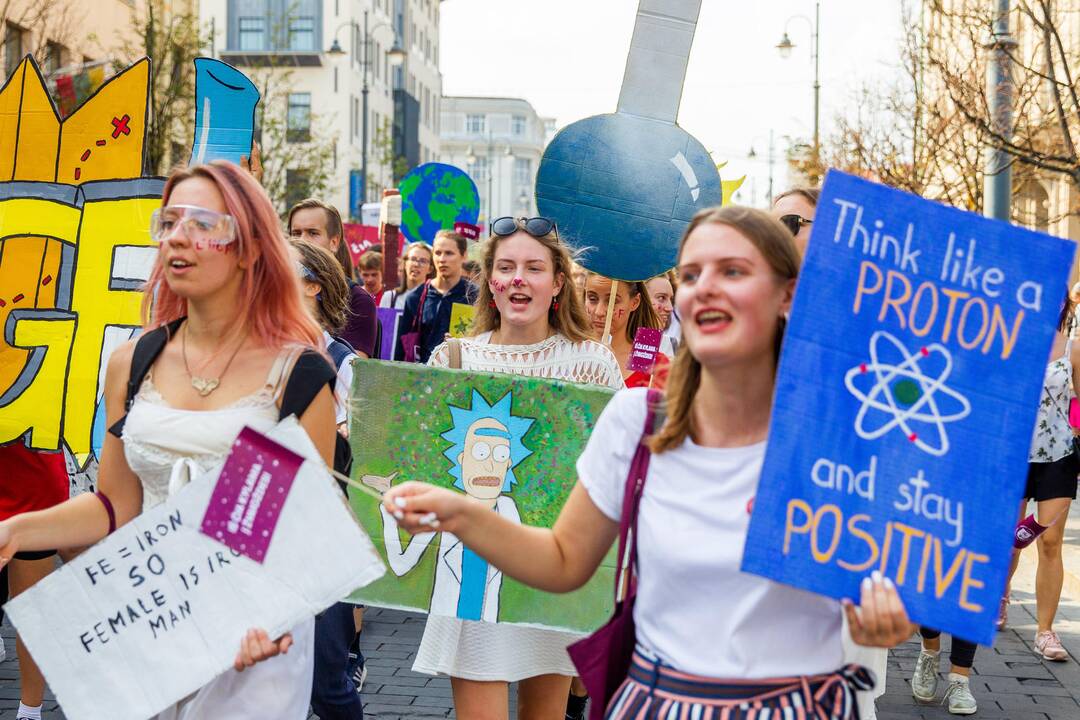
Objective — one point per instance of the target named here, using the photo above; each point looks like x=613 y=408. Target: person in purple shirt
x=320 y=223
x=428 y=307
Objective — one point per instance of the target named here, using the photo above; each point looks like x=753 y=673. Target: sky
x=566 y=57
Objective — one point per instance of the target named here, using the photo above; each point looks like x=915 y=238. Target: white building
x=320 y=46
x=499 y=142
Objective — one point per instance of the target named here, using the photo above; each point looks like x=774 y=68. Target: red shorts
x=30 y=480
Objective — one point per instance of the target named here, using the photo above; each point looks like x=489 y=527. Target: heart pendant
x=204 y=386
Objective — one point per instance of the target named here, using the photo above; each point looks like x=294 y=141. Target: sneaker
x=958 y=696
x=1048 y=646
x=1003 y=613
x=359 y=674
x=924 y=681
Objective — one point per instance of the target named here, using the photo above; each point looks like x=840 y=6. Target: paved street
x=1008 y=680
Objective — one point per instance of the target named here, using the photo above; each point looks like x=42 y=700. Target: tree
x=170 y=35
x=44 y=23
x=928 y=130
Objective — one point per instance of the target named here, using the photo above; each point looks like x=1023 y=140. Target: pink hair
x=269 y=302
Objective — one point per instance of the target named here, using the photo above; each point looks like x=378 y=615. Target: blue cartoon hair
x=500 y=412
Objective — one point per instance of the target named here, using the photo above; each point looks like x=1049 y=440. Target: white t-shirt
x=695 y=610
x=392 y=298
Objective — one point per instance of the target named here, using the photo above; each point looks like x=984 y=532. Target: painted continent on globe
x=434 y=196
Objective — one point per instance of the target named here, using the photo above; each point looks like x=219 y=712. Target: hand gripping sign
x=623 y=187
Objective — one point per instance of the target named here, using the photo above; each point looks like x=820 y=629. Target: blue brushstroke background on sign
x=934 y=419
x=225 y=101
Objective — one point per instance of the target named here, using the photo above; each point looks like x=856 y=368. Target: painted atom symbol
x=904 y=396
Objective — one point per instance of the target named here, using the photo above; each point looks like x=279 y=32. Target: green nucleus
x=906 y=392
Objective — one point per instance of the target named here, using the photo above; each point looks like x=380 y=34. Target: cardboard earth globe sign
x=623 y=187
x=434 y=196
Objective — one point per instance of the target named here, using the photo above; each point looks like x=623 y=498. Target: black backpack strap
x=147 y=349
x=307 y=378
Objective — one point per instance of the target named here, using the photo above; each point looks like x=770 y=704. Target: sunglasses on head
x=794 y=222
x=537 y=226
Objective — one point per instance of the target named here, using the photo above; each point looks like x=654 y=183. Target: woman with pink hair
x=227 y=344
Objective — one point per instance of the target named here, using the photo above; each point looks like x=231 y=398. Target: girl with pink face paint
x=529 y=321
x=632 y=310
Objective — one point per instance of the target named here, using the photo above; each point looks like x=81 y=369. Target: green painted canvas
x=510 y=440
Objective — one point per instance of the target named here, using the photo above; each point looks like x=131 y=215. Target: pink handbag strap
x=635 y=487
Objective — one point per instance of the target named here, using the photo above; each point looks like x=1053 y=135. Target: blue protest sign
x=623 y=187
x=434 y=196
x=225 y=101
x=916 y=351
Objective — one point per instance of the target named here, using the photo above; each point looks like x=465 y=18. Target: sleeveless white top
x=489 y=651
x=157 y=436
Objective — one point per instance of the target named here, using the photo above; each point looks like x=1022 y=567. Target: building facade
x=499 y=142
x=314 y=51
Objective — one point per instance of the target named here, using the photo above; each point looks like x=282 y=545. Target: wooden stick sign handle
x=606 y=338
x=656 y=64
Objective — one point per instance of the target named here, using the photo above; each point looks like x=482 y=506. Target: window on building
x=54 y=57
x=252 y=33
x=13 y=47
x=479 y=168
x=302 y=33
x=297 y=185
x=517 y=125
x=522 y=171
x=299 y=119
x=475 y=124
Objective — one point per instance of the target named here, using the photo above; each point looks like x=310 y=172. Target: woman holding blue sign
x=709 y=638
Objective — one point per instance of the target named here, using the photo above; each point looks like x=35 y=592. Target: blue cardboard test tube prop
x=225 y=101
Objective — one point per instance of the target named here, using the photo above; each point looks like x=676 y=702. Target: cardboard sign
x=434 y=196
x=359 y=239
x=502 y=437
x=624 y=186
x=461 y=319
x=1028 y=531
x=251 y=491
x=645 y=349
x=225 y=101
x=916 y=350
x=74 y=254
x=157 y=610
x=467 y=230
x=390 y=319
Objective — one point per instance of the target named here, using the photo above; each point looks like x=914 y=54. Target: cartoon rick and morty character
x=487 y=446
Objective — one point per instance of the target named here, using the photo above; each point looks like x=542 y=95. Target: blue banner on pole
x=916 y=352
x=356 y=194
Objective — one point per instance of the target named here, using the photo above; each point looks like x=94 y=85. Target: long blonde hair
x=570 y=319
x=777 y=246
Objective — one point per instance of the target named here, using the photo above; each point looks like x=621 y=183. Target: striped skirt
x=654 y=692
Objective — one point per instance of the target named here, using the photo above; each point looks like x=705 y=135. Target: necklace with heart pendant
x=205 y=386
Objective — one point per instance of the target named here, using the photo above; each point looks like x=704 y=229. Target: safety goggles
x=199 y=225
x=794 y=222
x=538 y=227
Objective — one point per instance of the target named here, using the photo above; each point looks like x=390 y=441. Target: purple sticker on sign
x=389 y=319
x=250 y=494
x=646 y=347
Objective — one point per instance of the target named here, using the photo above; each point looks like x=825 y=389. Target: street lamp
x=785 y=46
x=396 y=55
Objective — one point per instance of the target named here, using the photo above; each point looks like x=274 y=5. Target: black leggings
x=962 y=652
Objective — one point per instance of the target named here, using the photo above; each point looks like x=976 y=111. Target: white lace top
x=557 y=357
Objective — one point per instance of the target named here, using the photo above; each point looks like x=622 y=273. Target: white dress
x=487 y=651
x=155 y=437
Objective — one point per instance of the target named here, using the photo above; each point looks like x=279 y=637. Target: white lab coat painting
x=446 y=595
x=486 y=446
